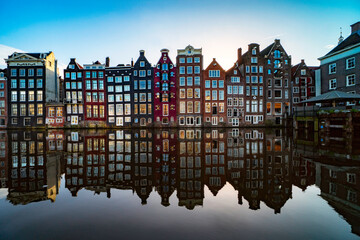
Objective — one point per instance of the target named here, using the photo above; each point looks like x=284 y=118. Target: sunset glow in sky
x=92 y=30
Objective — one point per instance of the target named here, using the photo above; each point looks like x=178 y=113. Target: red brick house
x=214 y=104
x=303 y=79
x=165 y=91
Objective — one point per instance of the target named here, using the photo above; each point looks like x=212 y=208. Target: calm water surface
x=179 y=184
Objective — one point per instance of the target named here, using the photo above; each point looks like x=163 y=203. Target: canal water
x=179 y=184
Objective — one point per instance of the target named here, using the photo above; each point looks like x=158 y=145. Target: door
x=255 y=119
x=214 y=120
x=74 y=120
x=142 y=122
x=119 y=121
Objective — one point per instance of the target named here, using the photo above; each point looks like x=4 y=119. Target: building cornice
x=338 y=52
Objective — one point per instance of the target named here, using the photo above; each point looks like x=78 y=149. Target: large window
x=165 y=87
x=13 y=83
x=182 y=70
x=350 y=80
x=189 y=70
x=214 y=73
x=332 y=68
x=207 y=95
x=277 y=94
x=182 y=93
x=182 y=107
x=142 y=84
x=332 y=84
x=277 y=54
x=350 y=63
x=182 y=81
x=278 y=109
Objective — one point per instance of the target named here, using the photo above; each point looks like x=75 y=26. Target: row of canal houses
x=257 y=90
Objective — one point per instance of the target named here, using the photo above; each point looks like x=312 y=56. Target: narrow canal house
x=73 y=93
x=278 y=76
x=119 y=166
x=4 y=159
x=142 y=162
x=303 y=83
x=214 y=160
x=119 y=95
x=235 y=171
x=165 y=163
x=253 y=167
x=190 y=171
x=94 y=93
x=165 y=91
x=32 y=81
x=254 y=96
x=278 y=166
x=235 y=93
x=214 y=108
x=75 y=165
x=95 y=165
x=143 y=91
x=189 y=62
x=3 y=99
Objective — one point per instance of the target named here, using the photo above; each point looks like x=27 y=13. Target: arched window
x=164 y=66
x=165 y=87
x=277 y=54
x=165 y=76
x=157 y=84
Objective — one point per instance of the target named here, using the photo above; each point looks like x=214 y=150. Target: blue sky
x=91 y=30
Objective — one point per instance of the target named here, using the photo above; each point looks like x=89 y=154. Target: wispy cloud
x=330 y=46
x=5 y=51
x=275 y=36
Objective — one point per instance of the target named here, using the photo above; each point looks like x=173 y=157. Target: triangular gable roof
x=351 y=40
x=267 y=50
x=22 y=56
x=212 y=63
x=270 y=48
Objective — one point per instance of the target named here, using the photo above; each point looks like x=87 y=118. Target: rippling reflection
x=262 y=165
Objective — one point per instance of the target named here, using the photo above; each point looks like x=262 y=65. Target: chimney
x=239 y=54
x=132 y=62
x=277 y=41
x=302 y=61
x=142 y=52
x=107 y=62
x=355 y=27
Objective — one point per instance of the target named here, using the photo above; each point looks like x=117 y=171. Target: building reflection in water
x=262 y=165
